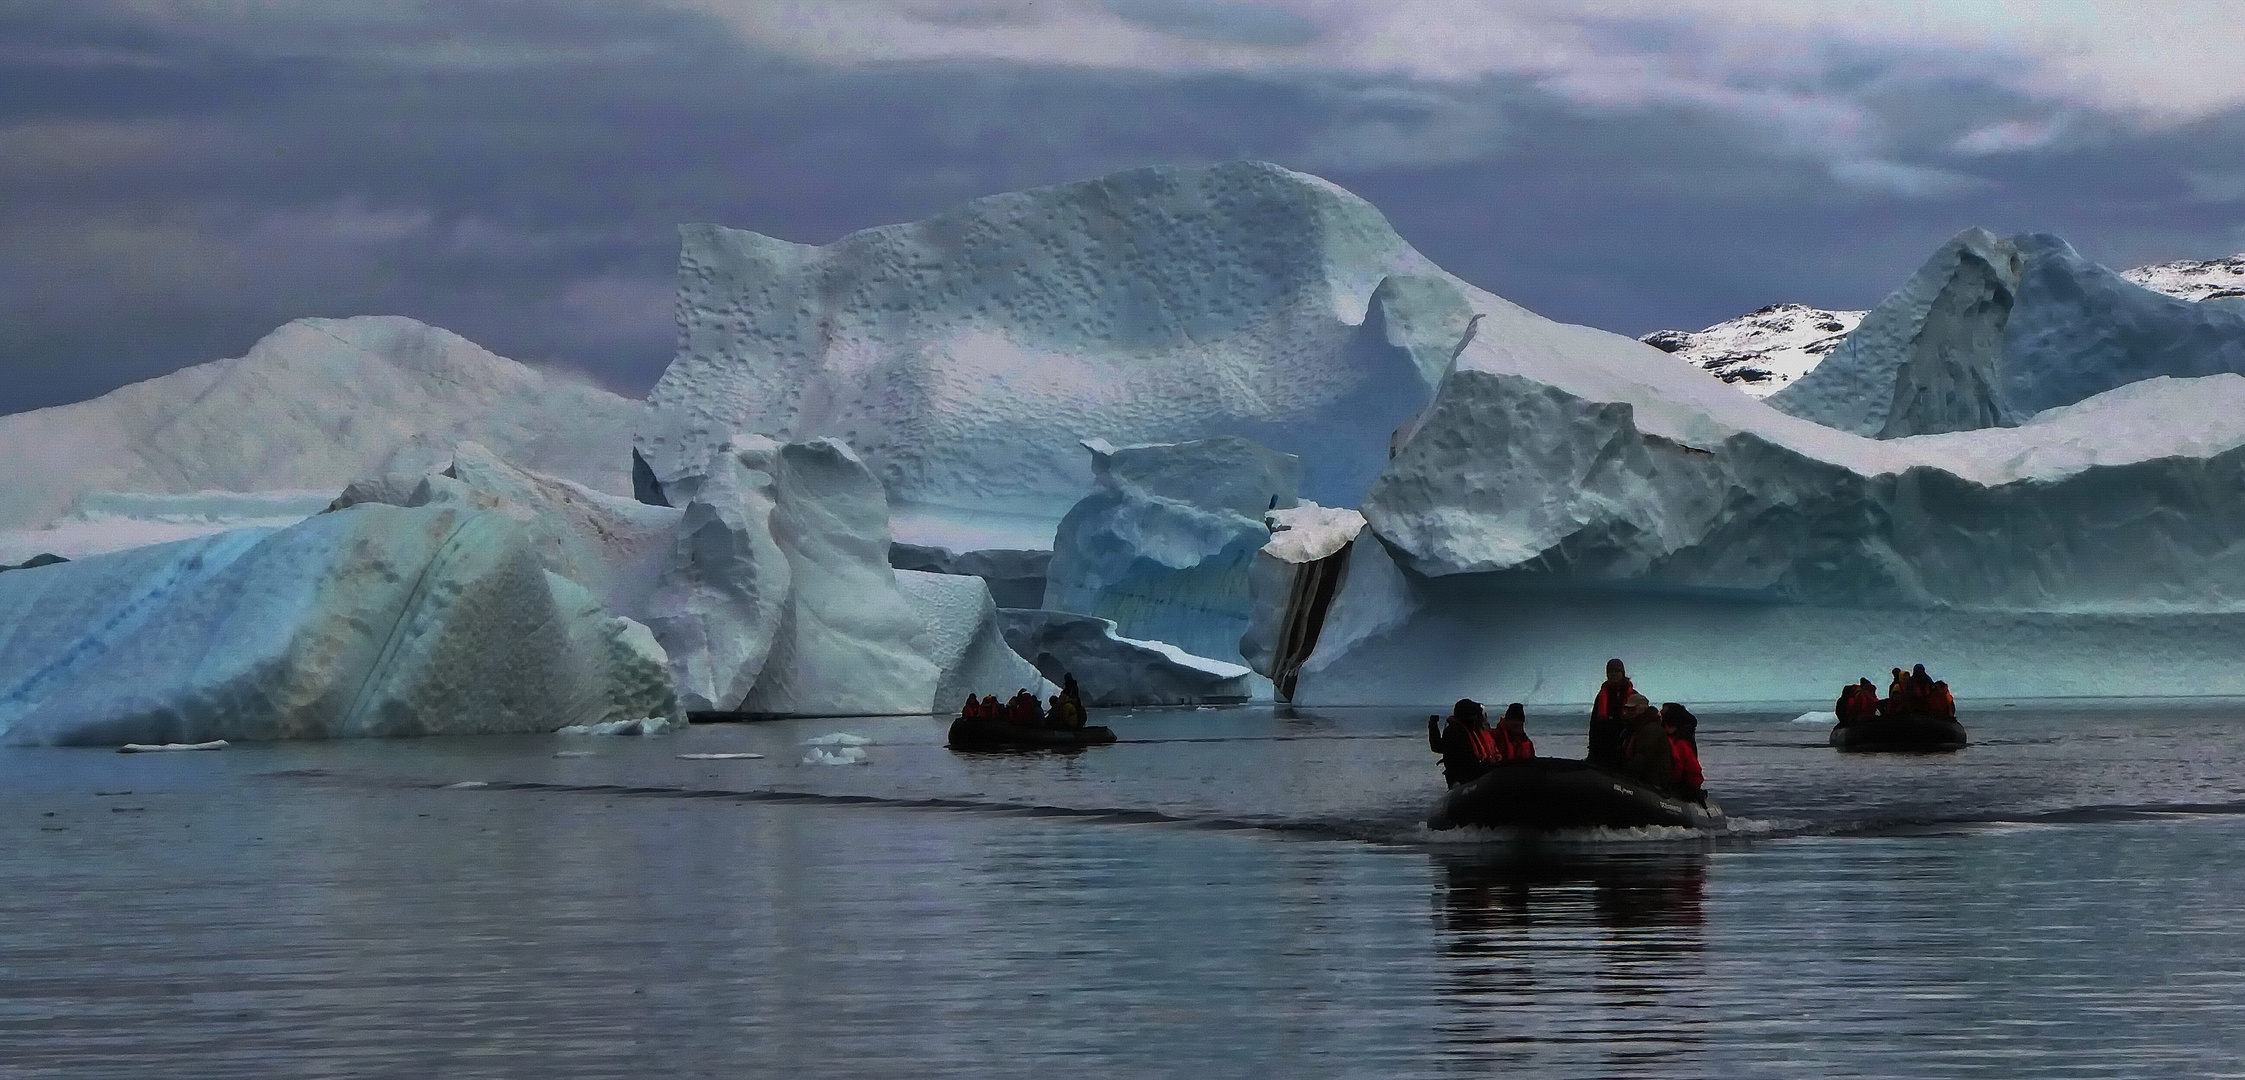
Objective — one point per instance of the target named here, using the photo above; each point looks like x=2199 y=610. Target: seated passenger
x=1646 y=755
x=1681 y=723
x=1024 y=710
x=1849 y=706
x=968 y=710
x=991 y=710
x=1467 y=746
x=1870 y=696
x=1898 y=694
x=1513 y=743
x=1921 y=691
x=1688 y=781
x=1944 y=703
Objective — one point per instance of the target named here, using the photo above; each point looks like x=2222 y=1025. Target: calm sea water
x=1230 y=892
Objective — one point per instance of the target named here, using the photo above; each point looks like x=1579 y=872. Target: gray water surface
x=1228 y=892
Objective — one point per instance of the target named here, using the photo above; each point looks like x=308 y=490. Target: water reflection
x=1573 y=961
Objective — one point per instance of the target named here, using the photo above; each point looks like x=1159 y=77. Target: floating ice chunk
x=844 y=755
x=1817 y=718
x=839 y=738
x=153 y=748
x=717 y=757
x=466 y=785
x=574 y=754
x=651 y=725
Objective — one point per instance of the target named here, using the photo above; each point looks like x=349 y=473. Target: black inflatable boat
x=1561 y=793
x=999 y=735
x=1905 y=734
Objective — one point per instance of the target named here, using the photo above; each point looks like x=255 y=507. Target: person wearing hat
x=1467 y=746
x=1607 y=728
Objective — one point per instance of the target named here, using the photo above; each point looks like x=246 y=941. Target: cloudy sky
x=178 y=177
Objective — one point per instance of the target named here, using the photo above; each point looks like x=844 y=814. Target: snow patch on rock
x=1763 y=352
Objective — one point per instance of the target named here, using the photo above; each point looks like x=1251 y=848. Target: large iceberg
x=965 y=356
x=312 y=406
x=378 y=620
x=1161 y=545
x=1992 y=330
x=769 y=590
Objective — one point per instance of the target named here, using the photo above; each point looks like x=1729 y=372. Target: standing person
x=1467 y=746
x=1607 y=728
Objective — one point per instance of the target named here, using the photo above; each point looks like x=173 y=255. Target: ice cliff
x=965 y=356
x=312 y=406
x=378 y=620
x=1161 y=545
x=769 y=591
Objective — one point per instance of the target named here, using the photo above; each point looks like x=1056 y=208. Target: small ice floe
x=1817 y=718
x=650 y=725
x=574 y=753
x=159 y=748
x=838 y=748
x=465 y=785
x=718 y=757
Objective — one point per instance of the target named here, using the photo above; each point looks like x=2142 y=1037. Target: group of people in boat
x=1628 y=736
x=1065 y=713
x=1911 y=693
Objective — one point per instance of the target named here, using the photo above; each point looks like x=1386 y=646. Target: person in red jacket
x=1513 y=743
x=1607 y=727
x=1467 y=746
x=1690 y=781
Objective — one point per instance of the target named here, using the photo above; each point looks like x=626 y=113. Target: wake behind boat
x=1562 y=793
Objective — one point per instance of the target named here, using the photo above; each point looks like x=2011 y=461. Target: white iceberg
x=964 y=356
x=374 y=621
x=312 y=406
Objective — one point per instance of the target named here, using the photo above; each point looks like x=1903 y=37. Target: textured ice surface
x=769 y=590
x=966 y=355
x=1308 y=532
x=961 y=634
x=314 y=405
x=105 y=521
x=1114 y=670
x=1015 y=577
x=1161 y=545
x=1930 y=357
x=374 y=621
x=1994 y=329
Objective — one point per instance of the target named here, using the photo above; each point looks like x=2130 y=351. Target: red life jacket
x=1517 y=745
x=1609 y=701
x=1687 y=762
x=1484 y=743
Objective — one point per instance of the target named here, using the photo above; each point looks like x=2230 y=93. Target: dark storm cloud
x=173 y=185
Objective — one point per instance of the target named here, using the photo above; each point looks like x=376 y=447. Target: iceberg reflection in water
x=1224 y=892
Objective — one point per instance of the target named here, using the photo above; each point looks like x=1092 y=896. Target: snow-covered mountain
x=1764 y=351
x=2193 y=279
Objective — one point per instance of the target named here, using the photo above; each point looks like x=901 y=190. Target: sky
x=179 y=177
